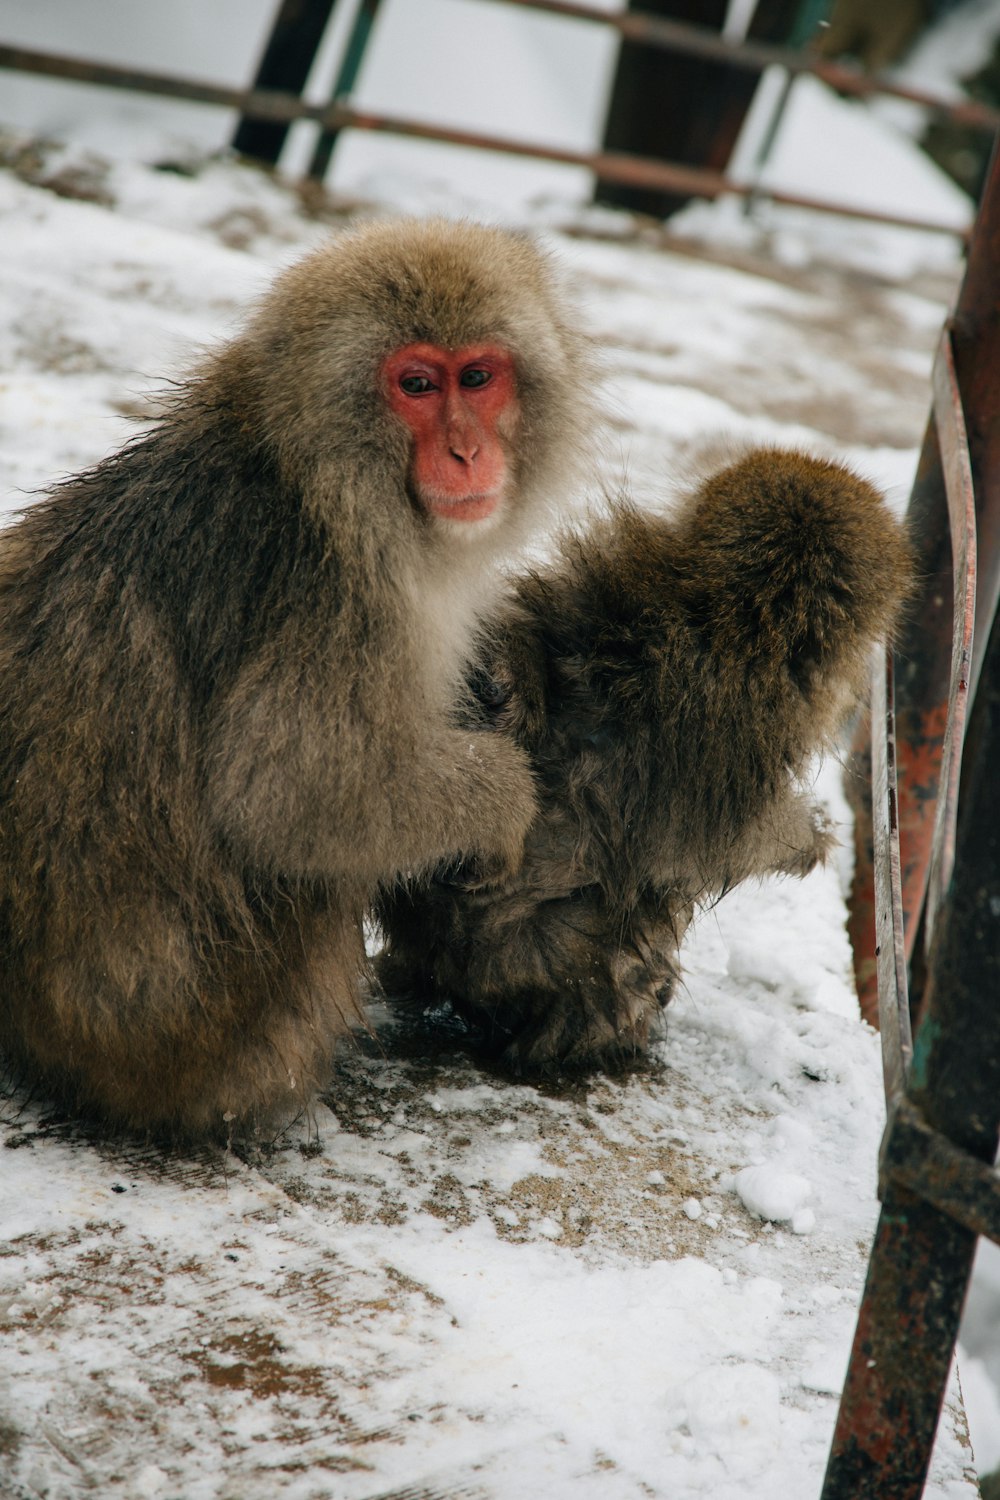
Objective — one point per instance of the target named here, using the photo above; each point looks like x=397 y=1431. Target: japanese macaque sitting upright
x=230 y=656
x=671 y=681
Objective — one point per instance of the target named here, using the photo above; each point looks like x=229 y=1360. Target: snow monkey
x=671 y=681
x=230 y=656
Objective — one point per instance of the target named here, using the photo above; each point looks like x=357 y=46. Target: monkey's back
x=686 y=671
x=672 y=681
x=144 y=966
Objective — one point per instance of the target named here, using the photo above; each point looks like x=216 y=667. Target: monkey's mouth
x=475 y=507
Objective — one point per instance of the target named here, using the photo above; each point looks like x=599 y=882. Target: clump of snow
x=769 y=1192
x=979 y=1356
x=150 y=1482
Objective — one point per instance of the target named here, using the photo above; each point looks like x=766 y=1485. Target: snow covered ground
x=442 y=1283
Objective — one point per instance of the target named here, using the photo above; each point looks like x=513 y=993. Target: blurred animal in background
x=230 y=656
x=672 y=681
x=878 y=35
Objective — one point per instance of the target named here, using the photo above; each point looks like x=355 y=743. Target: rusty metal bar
x=955 y=1077
x=926 y=1162
x=699 y=41
x=975 y=334
x=937 y=1183
x=617 y=166
x=889 y=916
x=674 y=36
x=924 y=655
x=940 y=1188
x=922 y=670
x=258 y=104
x=612 y=166
x=954 y=1088
x=894 y=1005
x=901 y=1354
x=956 y=467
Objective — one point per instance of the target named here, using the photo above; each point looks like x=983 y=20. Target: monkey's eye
x=416 y=385
x=474 y=378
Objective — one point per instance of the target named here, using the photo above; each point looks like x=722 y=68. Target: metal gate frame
x=936 y=904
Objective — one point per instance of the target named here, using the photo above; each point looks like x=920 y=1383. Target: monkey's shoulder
x=189 y=528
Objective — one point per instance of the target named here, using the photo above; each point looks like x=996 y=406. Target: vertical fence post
x=681 y=108
x=921 y=1258
x=290 y=52
x=357 y=43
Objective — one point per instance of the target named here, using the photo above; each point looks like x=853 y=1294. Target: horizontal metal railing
x=339 y=114
x=754 y=56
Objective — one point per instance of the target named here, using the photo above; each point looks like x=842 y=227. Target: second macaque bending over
x=672 y=681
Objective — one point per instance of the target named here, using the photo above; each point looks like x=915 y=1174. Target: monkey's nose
x=464 y=451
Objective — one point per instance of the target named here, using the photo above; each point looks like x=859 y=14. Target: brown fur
x=672 y=681
x=228 y=659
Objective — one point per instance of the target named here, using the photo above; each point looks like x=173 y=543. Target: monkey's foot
x=566 y=992
x=572 y=1030
x=544 y=985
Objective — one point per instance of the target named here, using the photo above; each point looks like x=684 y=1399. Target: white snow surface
x=439 y=1282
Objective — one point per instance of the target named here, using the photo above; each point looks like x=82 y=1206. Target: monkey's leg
x=791 y=835
x=150 y=1021
x=576 y=986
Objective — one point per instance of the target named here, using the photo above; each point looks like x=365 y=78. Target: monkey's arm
x=314 y=788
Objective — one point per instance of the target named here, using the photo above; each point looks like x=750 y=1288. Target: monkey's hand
x=508 y=684
x=477 y=873
x=489 y=823
x=791 y=836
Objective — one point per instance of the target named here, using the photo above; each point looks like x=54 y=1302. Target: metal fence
x=274 y=107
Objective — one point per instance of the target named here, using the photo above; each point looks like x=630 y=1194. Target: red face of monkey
x=459 y=405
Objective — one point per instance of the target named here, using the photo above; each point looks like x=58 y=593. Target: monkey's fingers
x=477 y=872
